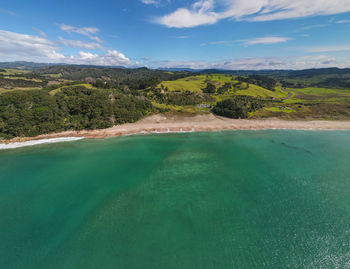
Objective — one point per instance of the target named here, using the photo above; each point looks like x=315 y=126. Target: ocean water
x=244 y=199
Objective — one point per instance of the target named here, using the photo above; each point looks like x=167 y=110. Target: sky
x=198 y=34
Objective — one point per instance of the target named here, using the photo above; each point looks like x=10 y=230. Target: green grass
x=312 y=95
x=321 y=91
x=194 y=84
x=173 y=108
x=280 y=109
x=197 y=83
x=24 y=78
x=257 y=91
x=53 y=75
x=221 y=79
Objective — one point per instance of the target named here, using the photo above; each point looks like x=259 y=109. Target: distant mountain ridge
x=312 y=71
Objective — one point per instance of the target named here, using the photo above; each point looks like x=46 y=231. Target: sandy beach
x=175 y=123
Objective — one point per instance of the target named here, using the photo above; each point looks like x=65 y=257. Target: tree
x=210 y=88
x=238 y=107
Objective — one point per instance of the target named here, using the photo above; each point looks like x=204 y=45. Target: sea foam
x=38 y=142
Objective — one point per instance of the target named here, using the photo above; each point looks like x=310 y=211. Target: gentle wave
x=38 y=142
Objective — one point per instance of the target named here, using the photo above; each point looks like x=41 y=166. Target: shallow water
x=244 y=199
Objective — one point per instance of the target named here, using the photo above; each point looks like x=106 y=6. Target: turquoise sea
x=236 y=199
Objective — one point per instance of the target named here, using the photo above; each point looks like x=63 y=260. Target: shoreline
x=162 y=124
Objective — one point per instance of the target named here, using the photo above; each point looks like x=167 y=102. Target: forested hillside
x=30 y=113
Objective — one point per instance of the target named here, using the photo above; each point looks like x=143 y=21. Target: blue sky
x=230 y=34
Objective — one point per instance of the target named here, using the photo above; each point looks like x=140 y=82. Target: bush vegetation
x=37 y=112
x=238 y=107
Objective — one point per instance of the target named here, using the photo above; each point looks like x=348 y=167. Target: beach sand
x=179 y=123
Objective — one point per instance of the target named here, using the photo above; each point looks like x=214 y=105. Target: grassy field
x=53 y=75
x=290 y=103
x=197 y=83
x=310 y=103
x=282 y=109
x=194 y=84
x=318 y=95
x=24 y=78
x=257 y=91
x=173 y=108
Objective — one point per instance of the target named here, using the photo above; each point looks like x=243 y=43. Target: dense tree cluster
x=334 y=83
x=224 y=88
x=238 y=107
x=30 y=113
x=210 y=88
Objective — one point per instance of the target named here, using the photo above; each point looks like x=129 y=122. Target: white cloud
x=156 y=3
x=328 y=48
x=80 y=44
x=267 y=40
x=200 y=14
x=310 y=27
x=14 y=46
x=343 y=21
x=90 y=32
x=40 y=32
x=9 y=12
x=206 y=12
x=150 y=2
x=20 y=47
x=112 y=57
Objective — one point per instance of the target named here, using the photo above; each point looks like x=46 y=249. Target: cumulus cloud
x=14 y=46
x=205 y=12
x=200 y=14
x=80 y=44
x=21 y=47
x=90 y=32
x=112 y=57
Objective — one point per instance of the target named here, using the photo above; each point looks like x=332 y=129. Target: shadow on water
x=291 y=146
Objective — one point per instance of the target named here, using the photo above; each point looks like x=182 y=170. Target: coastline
x=29 y=143
x=176 y=124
